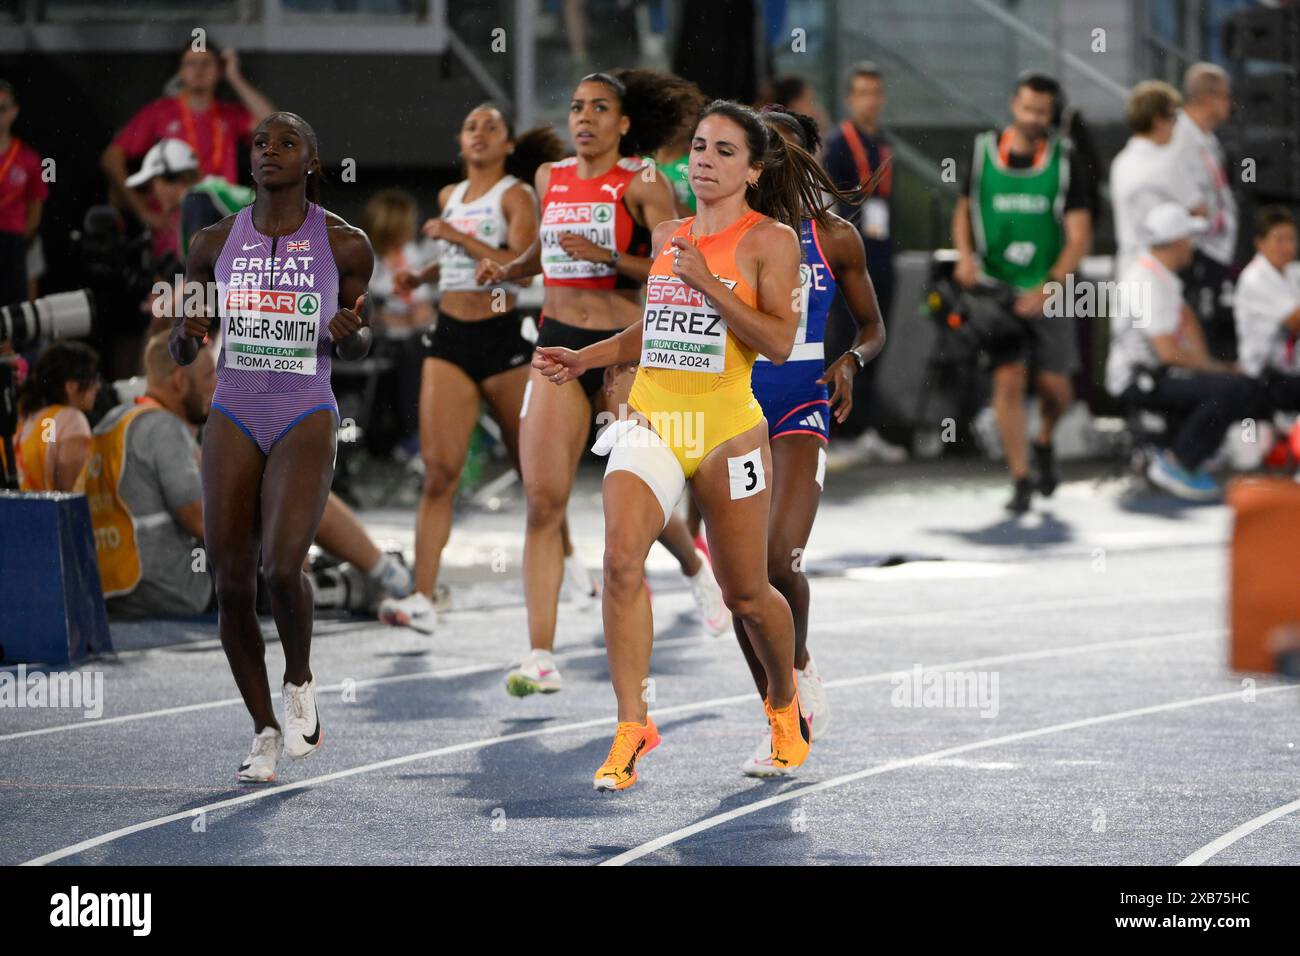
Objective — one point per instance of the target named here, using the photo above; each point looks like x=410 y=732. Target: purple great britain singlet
x=277 y=296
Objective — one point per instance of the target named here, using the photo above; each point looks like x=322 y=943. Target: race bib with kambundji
x=594 y=221
x=682 y=330
x=272 y=331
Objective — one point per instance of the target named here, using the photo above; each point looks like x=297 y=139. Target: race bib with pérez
x=682 y=329
x=269 y=325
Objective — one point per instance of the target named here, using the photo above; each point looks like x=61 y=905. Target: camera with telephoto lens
x=61 y=316
x=64 y=315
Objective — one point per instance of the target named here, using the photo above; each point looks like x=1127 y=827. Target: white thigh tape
x=613 y=435
x=528 y=393
x=638 y=450
x=746 y=474
x=821 y=467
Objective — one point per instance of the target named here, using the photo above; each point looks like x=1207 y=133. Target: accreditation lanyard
x=10 y=156
x=191 y=137
x=1004 y=149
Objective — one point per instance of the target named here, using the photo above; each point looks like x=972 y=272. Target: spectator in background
x=169 y=170
x=795 y=95
x=1207 y=95
x=144 y=484
x=390 y=220
x=22 y=196
x=218 y=131
x=1267 y=309
x=206 y=203
x=1158 y=360
x=1145 y=173
x=672 y=159
x=52 y=443
x=858 y=152
x=145 y=493
x=1024 y=210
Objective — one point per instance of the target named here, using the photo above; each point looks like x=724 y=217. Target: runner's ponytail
x=792 y=187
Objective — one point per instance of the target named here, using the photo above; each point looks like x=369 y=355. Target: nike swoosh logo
x=252 y=246
x=314 y=737
x=543 y=672
x=244 y=766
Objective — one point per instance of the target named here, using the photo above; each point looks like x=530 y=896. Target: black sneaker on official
x=1046 y=477
x=1022 y=497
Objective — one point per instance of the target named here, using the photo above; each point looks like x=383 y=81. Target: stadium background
x=386 y=83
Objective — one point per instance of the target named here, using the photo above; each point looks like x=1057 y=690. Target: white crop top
x=483 y=219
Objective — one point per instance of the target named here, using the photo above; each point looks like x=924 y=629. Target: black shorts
x=1045 y=344
x=557 y=334
x=481 y=348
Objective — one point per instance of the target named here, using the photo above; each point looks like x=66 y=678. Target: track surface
x=1119 y=735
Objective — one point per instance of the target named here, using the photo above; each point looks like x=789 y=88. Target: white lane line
x=303 y=784
x=463 y=671
x=345 y=628
x=709 y=823
x=658 y=712
x=912 y=617
x=1216 y=846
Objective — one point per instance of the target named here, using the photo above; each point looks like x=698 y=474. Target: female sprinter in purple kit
x=291 y=280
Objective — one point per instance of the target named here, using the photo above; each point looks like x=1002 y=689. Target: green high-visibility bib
x=677 y=173
x=1016 y=214
x=226 y=198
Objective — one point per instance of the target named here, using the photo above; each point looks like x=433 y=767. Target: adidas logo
x=814 y=420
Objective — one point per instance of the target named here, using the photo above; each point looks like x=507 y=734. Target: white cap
x=1169 y=222
x=168 y=156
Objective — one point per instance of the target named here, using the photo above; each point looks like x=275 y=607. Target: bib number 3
x=746 y=474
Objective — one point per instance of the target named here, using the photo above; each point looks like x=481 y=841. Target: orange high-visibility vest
x=114 y=524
